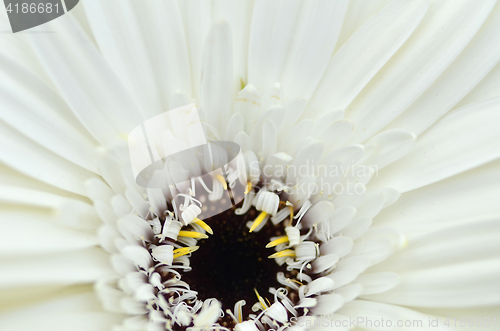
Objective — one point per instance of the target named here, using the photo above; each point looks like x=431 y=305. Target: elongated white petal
x=138 y=255
x=378 y=282
x=446 y=203
x=390 y=146
x=217 y=86
x=472 y=65
x=49 y=168
x=158 y=49
x=434 y=45
x=29 y=106
x=209 y=315
x=76 y=311
x=364 y=54
x=316 y=35
x=267 y=51
x=435 y=157
x=39 y=236
x=465 y=284
x=339 y=245
x=328 y=304
x=101 y=104
x=322 y=284
x=442 y=247
x=134 y=229
x=78 y=267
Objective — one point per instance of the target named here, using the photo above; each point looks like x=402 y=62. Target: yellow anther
x=203 y=225
x=291 y=213
x=184 y=250
x=192 y=234
x=278 y=241
x=295 y=281
x=248 y=188
x=258 y=220
x=283 y=253
x=222 y=180
x=261 y=300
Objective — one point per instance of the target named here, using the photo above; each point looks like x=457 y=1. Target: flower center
x=234 y=262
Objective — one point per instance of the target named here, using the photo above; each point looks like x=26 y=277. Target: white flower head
x=252 y=165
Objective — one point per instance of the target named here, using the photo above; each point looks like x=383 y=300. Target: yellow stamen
x=262 y=302
x=295 y=281
x=240 y=313
x=203 y=225
x=283 y=253
x=278 y=241
x=192 y=234
x=222 y=180
x=291 y=213
x=258 y=220
x=184 y=250
x=248 y=188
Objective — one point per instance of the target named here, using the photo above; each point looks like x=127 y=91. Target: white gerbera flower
x=363 y=193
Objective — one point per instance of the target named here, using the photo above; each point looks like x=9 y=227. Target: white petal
x=77 y=312
x=319 y=213
x=247 y=103
x=452 y=201
x=350 y=292
x=152 y=38
x=135 y=229
x=83 y=266
x=328 y=304
x=486 y=89
x=317 y=30
x=209 y=315
x=340 y=218
x=157 y=201
x=139 y=255
x=197 y=25
x=28 y=105
x=359 y=59
x=216 y=94
x=472 y=241
x=35 y=161
x=322 y=284
x=145 y=293
x=325 y=262
x=268 y=51
x=339 y=245
x=21 y=235
x=98 y=190
x=278 y=312
x=467 y=284
x=163 y=254
x=473 y=64
x=436 y=43
x=435 y=157
x=74 y=64
x=239 y=15
x=378 y=282
x=390 y=146
x=357 y=227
